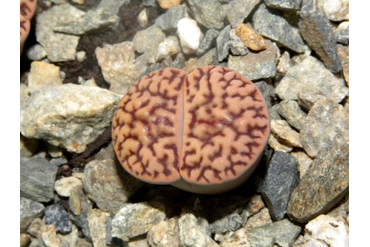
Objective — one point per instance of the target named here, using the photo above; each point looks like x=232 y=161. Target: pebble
x=98 y=226
x=81 y=242
x=103 y=183
x=207 y=13
x=28 y=146
x=169 y=20
x=291 y=111
x=190 y=35
x=238 y=10
x=304 y=161
x=80 y=56
x=30 y=210
x=311 y=73
x=168 y=4
x=284 y=4
x=56 y=215
x=283 y=64
x=168 y=47
x=164 y=234
x=36 y=52
x=342 y=33
x=323 y=185
x=309 y=96
x=335 y=10
x=78 y=202
x=136 y=219
x=261 y=218
x=89 y=82
x=285 y=134
x=277 y=146
x=43 y=74
x=142 y=18
x=256 y=66
x=58 y=115
x=237 y=47
x=24 y=240
x=37 y=178
x=222 y=43
x=238 y=238
x=268 y=92
x=64 y=185
x=281 y=179
x=59 y=47
x=208 y=41
x=317 y=31
x=327 y=125
x=250 y=37
x=344 y=57
x=277 y=28
x=117 y=63
x=83 y=224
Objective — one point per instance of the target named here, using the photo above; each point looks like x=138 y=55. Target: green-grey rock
x=208 y=13
x=323 y=185
x=290 y=110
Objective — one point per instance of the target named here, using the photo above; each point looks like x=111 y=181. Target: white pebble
x=189 y=34
x=65 y=185
x=80 y=56
x=142 y=18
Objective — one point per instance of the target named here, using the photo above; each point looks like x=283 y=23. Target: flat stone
x=108 y=185
x=164 y=234
x=281 y=179
x=317 y=31
x=335 y=10
x=70 y=116
x=190 y=35
x=208 y=41
x=285 y=134
x=256 y=66
x=344 y=57
x=82 y=242
x=56 y=215
x=64 y=185
x=311 y=73
x=277 y=28
x=37 y=178
x=98 y=226
x=117 y=63
x=323 y=185
x=222 y=43
x=282 y=233
x=238 y=10
x=168 y=21
x=304 y=161
x=30 y=210
x=136 y=219
x=49 y=236
x=284 y=4
x=207 y=13
x=278 y=146
x=327 y=125
x=342 y=33
x=262 y=218
x=250 y=37
x=43 y=74
x=237 y=47
x=59 y=47
x=290 y=110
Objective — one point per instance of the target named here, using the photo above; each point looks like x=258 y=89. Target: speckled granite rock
x=29 y=211
x=56 y=215
x=164 y=234
x=98 y=226
x=43 y=74
x=222 y=43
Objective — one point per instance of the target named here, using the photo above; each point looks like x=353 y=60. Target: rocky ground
x=82 y=56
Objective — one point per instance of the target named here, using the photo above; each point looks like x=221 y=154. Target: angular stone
x=56 y=215
x=69 y=115
x=164 y=234
x=117 y=63
x=267 y=90
x=327 y=125
x=36 y=52
x=65 y=185
x=262 y=218
x=304 y=161
x=208 y=13
x=342 y=33
x=256 y=65
x=277 y=146
x=168 y=21
x=148 y=39
x=168 y=47
x=208 y=41
x=222 y=43
x=136 y=219
x=238 y=238
x=30 y=210
x=37 y=178
x=290 y=110
x=308 y=97
x=98 y=226
x=108 y=185
x=344 y=57
x=311 y=73
x=49 y=236
x=250 y=38
x=282 y=233
x=58 y=46
x=277 y=28
x=238 y=10
x=316 y=30
x=82 y=222
x=284 y=4
x=335 y=10
x=189 y=34
x=285 y=134
x=237 y=47
x=323 y=185
x=281 y=179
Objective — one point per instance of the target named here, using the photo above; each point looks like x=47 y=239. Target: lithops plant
x=27 y=10
x=203 y=132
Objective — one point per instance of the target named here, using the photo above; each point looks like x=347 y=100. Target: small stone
x=133 y=220
x=256 y=65
x=98 y=224
x=342 y=33
x=316 y=30
x=117 y=63
x=191 y=233
x=238 y=10
x=251 y=39
x=329 y=230
x=64 y=186
x=282 y=233
x=43 y=74
x=164 y=234
x=142 y=18
x=58 y=114
x=88 y=83
x=222 y=43
x=24 y=240
x=78 y=1
x=237 y=47
x=36 y=52
x=82 y=242
x=290 y=110
x=281 y=179
x=49 y=236
x=274 y=112
x=255 y=204
x=277 y=146
x=238 y=238
x=323 y=185
x=208 y=41
x=284 y=4
x=103 y=183
x=262 y=218
x=304 y=161
x=268 y=92
x=30 y=210
x=190 y=35
x=80 y=56
x=335 y=10
x=169 y=20
x=210 y=58
x=54 y=151
x=309 y=96
x=344 y=57
x=307 y=241
x=168 y=47
x=37 y=178
x=56 y=215
x=326 y=126
x=207 y=13
x=311 y=73
x=285 y=134
x=168 y=4
x=82 y=222
x=28 y=146
x=283 y=64
x=277 y=28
